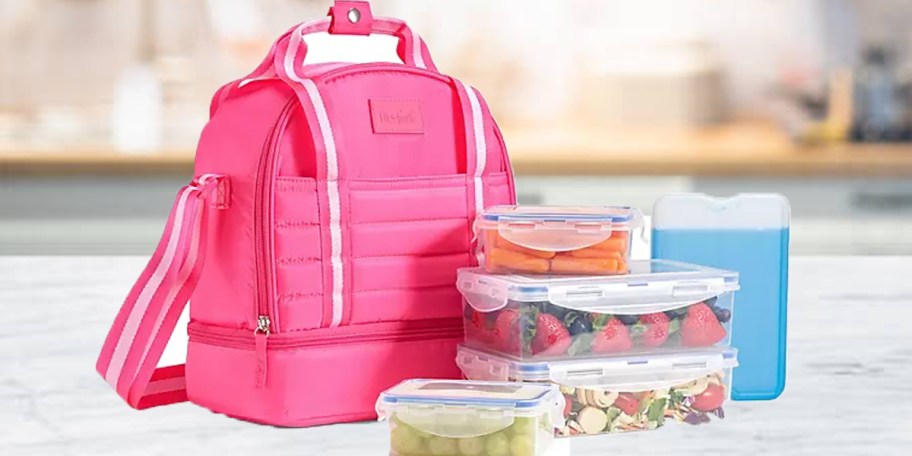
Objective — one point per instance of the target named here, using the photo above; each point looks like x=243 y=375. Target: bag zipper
x=261 y=340
x=264 y=314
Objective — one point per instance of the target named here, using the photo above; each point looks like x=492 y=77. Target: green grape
x=442 y=446
x=523 y=425
x=399 y=423
x=497 y=444
x=473 y=446
x=405 y=441
x=523 y=445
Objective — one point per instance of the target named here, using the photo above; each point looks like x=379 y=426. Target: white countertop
x=849 y=389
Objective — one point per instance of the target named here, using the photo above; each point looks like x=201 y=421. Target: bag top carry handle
x=410 y=49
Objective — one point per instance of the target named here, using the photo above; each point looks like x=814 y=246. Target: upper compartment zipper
x=262 y=219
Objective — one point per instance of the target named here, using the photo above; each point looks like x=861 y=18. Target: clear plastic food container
x=469 y=418
x=660 y=305
x=621 y=394
x=557 y=240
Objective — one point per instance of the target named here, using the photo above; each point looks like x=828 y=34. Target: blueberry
x=628 y=319
x=577 y=323
x=723 y=315
x=675 y=313
x=711 y=302
x=553 y=309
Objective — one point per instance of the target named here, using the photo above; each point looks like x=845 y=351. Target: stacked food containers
x=624 y=344
x=629 y=343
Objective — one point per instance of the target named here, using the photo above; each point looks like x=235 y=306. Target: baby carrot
x=501 y=259
x=592 y=252
x=567 y=264
x=612 y=244
x=507 y=245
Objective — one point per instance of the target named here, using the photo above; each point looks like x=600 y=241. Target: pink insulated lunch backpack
x=320 y=239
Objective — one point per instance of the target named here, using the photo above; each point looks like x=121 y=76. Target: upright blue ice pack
x=748 y=233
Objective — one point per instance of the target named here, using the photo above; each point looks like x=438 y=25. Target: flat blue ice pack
x=749 y=234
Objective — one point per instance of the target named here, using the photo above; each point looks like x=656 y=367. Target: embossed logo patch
x=396 y=116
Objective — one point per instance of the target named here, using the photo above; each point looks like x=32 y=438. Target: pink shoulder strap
x=141 y=330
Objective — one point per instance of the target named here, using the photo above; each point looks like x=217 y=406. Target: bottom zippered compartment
x=314 y=377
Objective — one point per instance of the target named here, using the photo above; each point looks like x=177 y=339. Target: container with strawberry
x=545 y=330
x=659 y=306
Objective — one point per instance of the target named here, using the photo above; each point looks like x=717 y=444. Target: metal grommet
x=354 y=15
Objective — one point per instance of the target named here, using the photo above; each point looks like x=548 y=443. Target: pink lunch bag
x=319 y=241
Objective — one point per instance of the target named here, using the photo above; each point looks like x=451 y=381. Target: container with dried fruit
x=458 y=417
x=621 y=394
x=557 y=240
x=659 y=306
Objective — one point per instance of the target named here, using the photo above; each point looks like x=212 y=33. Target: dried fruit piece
x=592 y=420
x=603 y=398
x=695 y=387
x=627 y=403
x=710 y=399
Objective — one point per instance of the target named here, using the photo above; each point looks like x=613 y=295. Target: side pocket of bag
x=297 y=246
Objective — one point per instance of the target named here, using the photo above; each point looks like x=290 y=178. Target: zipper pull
x=260 y=334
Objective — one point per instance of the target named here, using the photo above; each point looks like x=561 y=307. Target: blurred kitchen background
x=601 y=102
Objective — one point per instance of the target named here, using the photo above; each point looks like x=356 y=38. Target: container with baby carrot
x=557 y=240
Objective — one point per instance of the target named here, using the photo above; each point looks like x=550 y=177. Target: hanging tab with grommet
x=351 y=17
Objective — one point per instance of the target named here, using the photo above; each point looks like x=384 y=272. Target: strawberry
x=506 y=334
x=551 y=337
x=700 y=327
x=627 y=403
x=477 y=327
x=656 y=329
x=710 y=399
x=568 y=404
x=612 y=338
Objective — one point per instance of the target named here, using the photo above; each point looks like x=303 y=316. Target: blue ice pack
x=749 y=234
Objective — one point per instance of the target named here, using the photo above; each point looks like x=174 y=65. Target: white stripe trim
x=183 y=274
x=417 y=55
x=332 y=185
x=481 y=152
x=112 y=374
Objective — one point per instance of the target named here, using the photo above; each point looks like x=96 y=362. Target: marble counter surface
x=849 y=382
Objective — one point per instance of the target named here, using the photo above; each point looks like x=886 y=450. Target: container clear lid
x=651 y=286
x=558 y=228
x=461 y=393
x=563 y=214
x=628 y=373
